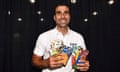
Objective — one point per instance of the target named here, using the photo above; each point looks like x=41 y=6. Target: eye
x=66 y=12
x=58 y=12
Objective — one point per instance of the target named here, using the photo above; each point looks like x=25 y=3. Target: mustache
x=63 y=19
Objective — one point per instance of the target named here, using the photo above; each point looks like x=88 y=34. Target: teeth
x=63 y=20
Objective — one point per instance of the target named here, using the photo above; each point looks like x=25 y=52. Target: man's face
x=62 y=16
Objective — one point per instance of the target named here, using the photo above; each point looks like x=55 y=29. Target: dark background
x=17 y=38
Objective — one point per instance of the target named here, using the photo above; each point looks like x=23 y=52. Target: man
x=41 y=56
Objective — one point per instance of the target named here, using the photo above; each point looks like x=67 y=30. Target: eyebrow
x=60 y=12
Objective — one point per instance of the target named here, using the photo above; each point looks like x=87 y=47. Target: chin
x=63 y=25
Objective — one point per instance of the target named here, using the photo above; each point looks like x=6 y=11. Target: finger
x=54 y=58
x=84 y=63
x=59 y=58
x=59 y=65
x=56 y=65
x=53 y=66
x=58 y=55
x=83 y=68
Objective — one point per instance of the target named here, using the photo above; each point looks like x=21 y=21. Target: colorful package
x=78 y=54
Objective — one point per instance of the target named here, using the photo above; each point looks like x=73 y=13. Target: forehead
x=62 y=8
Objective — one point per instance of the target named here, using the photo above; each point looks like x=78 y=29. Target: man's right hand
x=52 y=62
x=55 y=61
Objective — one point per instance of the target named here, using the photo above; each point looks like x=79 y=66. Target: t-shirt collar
x=57 y=32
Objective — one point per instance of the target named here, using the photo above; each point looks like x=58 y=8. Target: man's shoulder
x=46 y=33
x=76 y=33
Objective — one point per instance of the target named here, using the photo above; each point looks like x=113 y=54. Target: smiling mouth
x=63 y=21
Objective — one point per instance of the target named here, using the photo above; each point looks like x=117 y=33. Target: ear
x=54 y=18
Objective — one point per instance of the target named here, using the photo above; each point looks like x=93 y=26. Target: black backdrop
x=17 y=38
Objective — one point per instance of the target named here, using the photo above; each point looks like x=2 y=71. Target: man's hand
x=84 y=66
x=55 y=61
x=52 y=62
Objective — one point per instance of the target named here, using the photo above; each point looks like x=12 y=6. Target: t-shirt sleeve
x=82 y=42
x=39 y=47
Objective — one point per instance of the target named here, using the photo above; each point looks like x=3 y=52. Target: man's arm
x=39 y=62
x=51 y=62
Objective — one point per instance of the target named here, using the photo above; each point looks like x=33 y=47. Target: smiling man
x=41 y=55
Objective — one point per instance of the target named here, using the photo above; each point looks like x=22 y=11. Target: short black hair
x=62 y=4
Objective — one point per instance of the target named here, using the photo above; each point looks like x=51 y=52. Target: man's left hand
x=84 y=66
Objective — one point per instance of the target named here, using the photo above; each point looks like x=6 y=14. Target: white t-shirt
x=44 y=41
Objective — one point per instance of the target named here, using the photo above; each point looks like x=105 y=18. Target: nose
x=62 y=15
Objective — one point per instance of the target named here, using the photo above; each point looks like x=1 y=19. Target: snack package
x=78 y=54
x=64 y=61
x=57 y=47
x=77 y=59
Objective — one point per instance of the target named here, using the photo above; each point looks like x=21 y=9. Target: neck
x=63 y=30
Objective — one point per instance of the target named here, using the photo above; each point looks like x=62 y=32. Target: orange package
x=65 y=58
